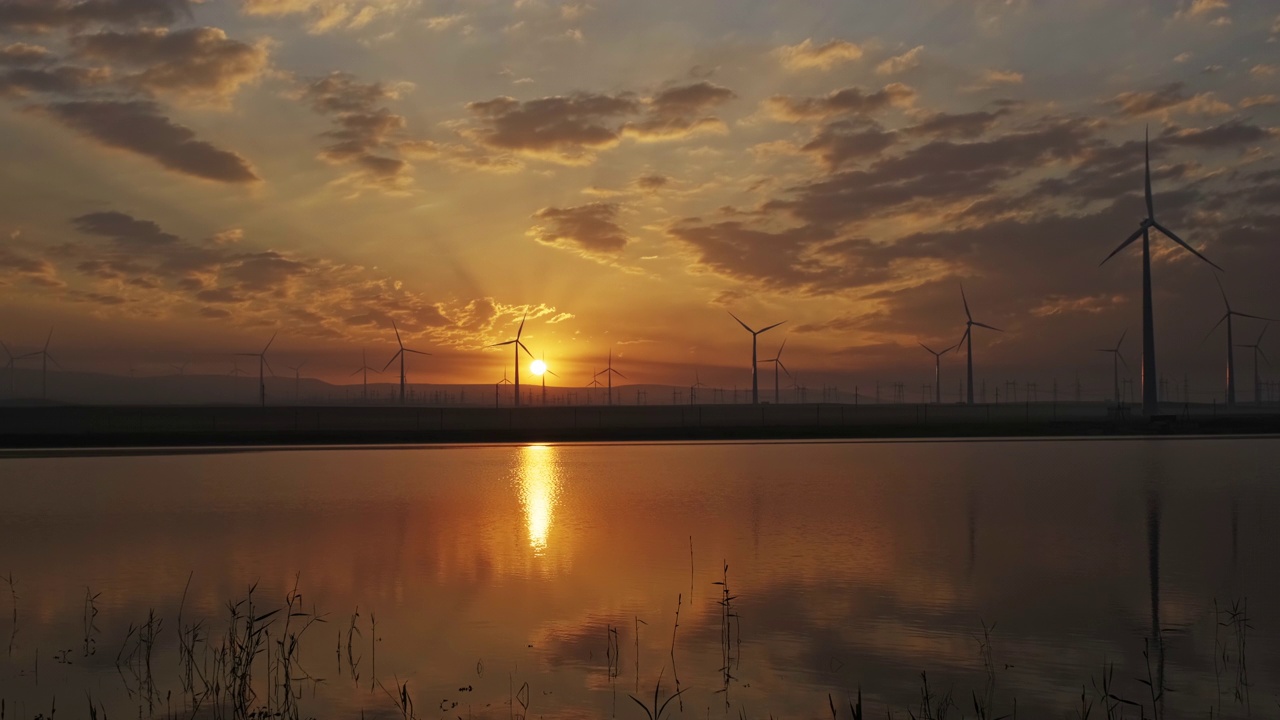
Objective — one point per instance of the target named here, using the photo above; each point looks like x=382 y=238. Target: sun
x=537 y=367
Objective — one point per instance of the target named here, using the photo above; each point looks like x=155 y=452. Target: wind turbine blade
x=926 y=347
x=1151 y=210
x=1251 y=317
x=1169 y=233
x=784 y=368
x=521 y=328
x=268 y=347
x=1106 y=350
x=965 y=300
x=525 y=349
x=1215 y=327
x=944 y=352
x=771 y=327
x=1136 y=234
x=1122 y=362
x=55 y=362
x=1263 y=353
x=264 y=362
x=744 y=325
x=393 y=359
x=416 y=352
x=46 y=340
x=601 y=372
x=615 y=372
x=357 y=372
x=1259 y=340
x=1225 y=301
x=989 y=327
x=963 y=337
x=509 y=342
x=397 y=330
x=1126 y=332
x=552 y=373
x=780 y=347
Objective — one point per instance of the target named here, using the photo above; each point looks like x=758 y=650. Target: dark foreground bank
x=112 y=426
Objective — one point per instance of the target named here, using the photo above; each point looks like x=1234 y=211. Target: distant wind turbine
x=591 y=386
x=262 y=365
x=498 y=386
x=777 y=363
x=182 y=369
x=1257 y=350
x=1231 y=355
x=969 y=324
x=235 y=369
x=1116 y=360
x=693 y=389
x=937 y=369
x=755 y=385
x=45 y=359
x=1150 y=387
x=297 y=380
x=364 y=368
x=609 y=372
x=518 y=347
x=545 y=372
x=400 y=354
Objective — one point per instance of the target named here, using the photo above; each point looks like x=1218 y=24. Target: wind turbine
x=262 y=363
x=755 y=386
x=595 y=383
x=1150 y=389
x=400 y=354
x=937 y=370
x=545 y=372
x=777 y=363
x=518 y=347
x=182 y=369
x=364 y=368
x=609 y=372
x=693 y=389
x=1257 y=350
x=1231 y=355
x=968 y=335
x=297 y=380
x=1116 y=360
x=45 y=358
x=498 y=386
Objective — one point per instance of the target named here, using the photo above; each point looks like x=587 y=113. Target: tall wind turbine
x=608 y=373
x=1231 y=355
x=755 y=386
x=297 y=380
x=693 y=389
x=262 y=363
x=777 y=363
x=45 y=358
x=937 y=370
x=518 y=347
x=545 y=372
x=400 y=354
x=1150 y=387
x=969 y=324
x=1257 y=350
x=364 y=368
x=1116 y=360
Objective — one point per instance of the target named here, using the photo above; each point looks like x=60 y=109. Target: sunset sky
x=183 y=179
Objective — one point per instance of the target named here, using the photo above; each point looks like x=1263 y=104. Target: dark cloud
x=842 y=142
x=45 y=15
x=680 y=111
x=965 y=126
x=138 y=127
x=848 y=101
x=123 y=228
x=564 y=128
x=36 y=271
x=591 y=230
x=1165 y=99
x=1230 y=133
x=22 y=54
x=60 y=80
x=365 y=134
x=652 y=182
x=196 y=61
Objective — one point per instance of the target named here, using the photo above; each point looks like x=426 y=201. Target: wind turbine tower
x=969 y=324
x=937 y=371
x=518 y=347
x=400 y=354
x=1116 y=360
x=755 y=385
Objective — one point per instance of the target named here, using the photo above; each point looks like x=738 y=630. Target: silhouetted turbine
x=693 y=389
x=1116 y=360
x=364 y=368
x=545 y=372
x=968 y=335
x=609 y=372
x=297 y=380
x=45 y=359
x=1150 y=388
x=262 y=363
x=518 y=347
x=755 y=386
x=400 y=354
x=777 y=363
x=1257 y=350
x=497 y=387
x=1231 y=355
x=937 y=370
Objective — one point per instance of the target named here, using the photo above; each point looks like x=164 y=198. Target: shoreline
x=207 y=427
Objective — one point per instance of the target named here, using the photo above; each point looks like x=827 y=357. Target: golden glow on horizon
x=539 y=491
x=537 y=367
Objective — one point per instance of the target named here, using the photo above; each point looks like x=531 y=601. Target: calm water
x=853 y=565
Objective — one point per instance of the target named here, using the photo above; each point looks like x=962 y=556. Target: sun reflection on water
x=539 y=492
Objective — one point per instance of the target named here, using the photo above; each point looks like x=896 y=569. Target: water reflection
x=539 y=488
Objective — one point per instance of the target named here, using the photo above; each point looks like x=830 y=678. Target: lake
x=546 y=581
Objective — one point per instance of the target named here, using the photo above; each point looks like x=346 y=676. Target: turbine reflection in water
x=539 y=488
